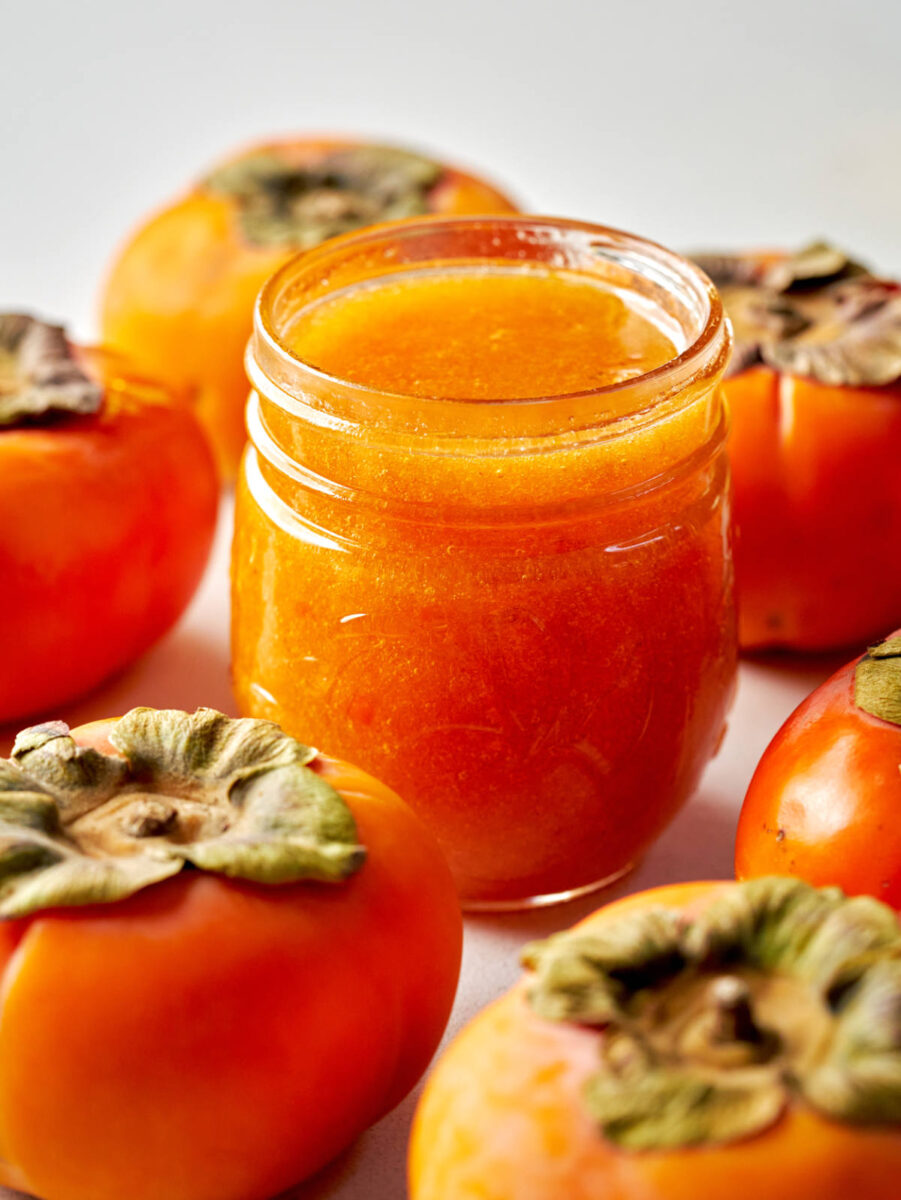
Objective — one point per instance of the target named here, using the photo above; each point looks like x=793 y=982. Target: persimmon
x=224 y=956
x=815 y=394
x=696 y=1041
x=108 y=501
x=824 y=801
x=179 y=298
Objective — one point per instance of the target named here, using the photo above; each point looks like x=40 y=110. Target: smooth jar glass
x=519 y=614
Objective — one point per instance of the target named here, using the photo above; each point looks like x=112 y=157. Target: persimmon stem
x=40 y=373
x=178 y=790
x=151 y=818
x=735 y=1021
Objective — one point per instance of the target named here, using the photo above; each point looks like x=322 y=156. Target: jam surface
x=473 y=335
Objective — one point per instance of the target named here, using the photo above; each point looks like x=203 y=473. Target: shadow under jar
x=510 y=597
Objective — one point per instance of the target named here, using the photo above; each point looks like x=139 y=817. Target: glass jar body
x=533 y=644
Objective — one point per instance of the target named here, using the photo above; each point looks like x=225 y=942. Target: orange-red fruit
x=817 y=489
x=179 y=298
x=214 y=1040
x=503 y=1117
x=824 y=801
x=106 y=523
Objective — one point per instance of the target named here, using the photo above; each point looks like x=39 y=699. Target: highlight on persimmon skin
x=208 y=1037
x=108 y=504
x=815 y=394
x=179 y=296
x=824 y=800
x=553 y=1092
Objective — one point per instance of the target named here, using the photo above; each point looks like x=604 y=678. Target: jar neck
x=441 y=495
x=317 y=431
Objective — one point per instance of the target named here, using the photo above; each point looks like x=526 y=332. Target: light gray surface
x=707 y=123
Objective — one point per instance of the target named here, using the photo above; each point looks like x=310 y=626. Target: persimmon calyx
x=40 y=374
x=280 y=204
x=815 y=313
x=233 y=797
x=777 y=993
x=877 y=681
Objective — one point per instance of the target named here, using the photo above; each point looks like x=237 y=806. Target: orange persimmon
x=659 y=1051
x=179 y=298
x=222 y=1031
x=824 y=801
x=108 y=501
x=815 y=397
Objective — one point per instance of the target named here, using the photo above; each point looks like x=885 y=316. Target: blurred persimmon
x=179 y=298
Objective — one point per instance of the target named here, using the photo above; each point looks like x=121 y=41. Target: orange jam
x=473 y=334
x=482 y=540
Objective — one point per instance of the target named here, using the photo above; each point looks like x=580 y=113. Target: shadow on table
x=812 y=668
x=317 y=1188
x=698 y=845
x=324 y=1182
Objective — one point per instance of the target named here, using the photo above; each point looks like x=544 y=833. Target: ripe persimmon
x=223 y=957
x=823 y=803
x=814 y=389
x=179 y=298
x=695 y=1041
x=108 y=502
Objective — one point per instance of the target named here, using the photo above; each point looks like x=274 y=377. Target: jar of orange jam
x=482 y=535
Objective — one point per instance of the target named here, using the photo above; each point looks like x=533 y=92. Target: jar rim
x=704 y=353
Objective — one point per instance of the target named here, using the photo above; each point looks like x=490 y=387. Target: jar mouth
x=683 y=294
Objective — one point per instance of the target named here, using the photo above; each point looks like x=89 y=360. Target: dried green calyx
x=777 y=993
x=877 y=681
x=40 y=375
x=234 y=797
x=280 y=204
x=815 y=313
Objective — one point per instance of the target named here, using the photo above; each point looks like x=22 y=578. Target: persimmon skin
x=215 y=1040
x=503 y=1118
x=817 y=495
x=179 y=297
x=823 y=803
x=106 y=523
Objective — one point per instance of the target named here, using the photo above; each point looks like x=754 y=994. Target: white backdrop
x=710 y=122
x=704 y=123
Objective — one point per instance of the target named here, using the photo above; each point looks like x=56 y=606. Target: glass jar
x=517 y=613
